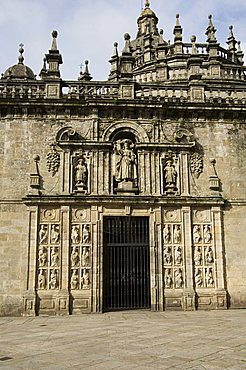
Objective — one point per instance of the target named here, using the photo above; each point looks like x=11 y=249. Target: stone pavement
x=126 y=340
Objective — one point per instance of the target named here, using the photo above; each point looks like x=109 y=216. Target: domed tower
x=19 y=71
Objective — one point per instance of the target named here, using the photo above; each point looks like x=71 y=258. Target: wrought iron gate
x=126 y=263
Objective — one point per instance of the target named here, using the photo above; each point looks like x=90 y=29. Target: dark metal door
x=126 y=263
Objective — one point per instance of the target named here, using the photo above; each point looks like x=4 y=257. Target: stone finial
x=85 y=76
x=35 y=178
x=177 y=20
x=127 y=48
x=21 y=51
x=193 y=42
x=114 y=61
x=214 y=181
x=231 y=41
x=177 y=31
x=54 y=42
x=211 y=30
x=240 y=54
x=115 y=52
x=147 y=4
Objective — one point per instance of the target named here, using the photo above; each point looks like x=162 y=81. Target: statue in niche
x=177 y=234
x=42 y=256
x=207 y=234
x=209 y=256
x=75 y=257
x=75 y=234
x=41 y=279
x=167 y=234
x=86 y=234
x=167 y=255
x=125 y=162
x=178 y=278
x=177 y=255
x=54 y=234
x=85 y=257
x=197 y=256
x=198 y=278
x=168 y=279
x=81 y=175
x=75 y=280
x=196 y=234
x=54 y=257
x=209 y=277
x=43 y=234
x=170 y=175
x=53 y=280
x=86 y=279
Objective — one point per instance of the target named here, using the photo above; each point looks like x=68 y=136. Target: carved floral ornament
x=53 y=160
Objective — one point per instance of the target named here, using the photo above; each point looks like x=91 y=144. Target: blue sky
x=88 y=28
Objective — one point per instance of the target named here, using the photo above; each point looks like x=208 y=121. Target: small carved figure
x=167 y=234
x=196 y=234
x=41 y=280
x=177 y=234
x=197 y=256
x=75 y=280
x=86 y=279
x=198 y=278
x=178 y=278
x=81 y=174
x=75 y=257
x=167 y=255
x=86 y=234
x=54 y=257
x=125 y=161
x=43 y=234
x=207 y=234
x=54 y=234
x=177 y=255
x=170 y=174
x=53 y=280
x=85 y=257
x=209 y=278
x=75 y=234
x=42 y=256
x=168 y=279
x=209 y=256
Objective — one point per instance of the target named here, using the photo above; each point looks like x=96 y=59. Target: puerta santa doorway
x=126 y=258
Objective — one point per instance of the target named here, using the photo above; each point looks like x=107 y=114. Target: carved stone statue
x=54 y=234
x=53 y=280
x=177 y=234
x=86 y=279
x=43 y=234
x=75 y=234
x=209 y=256
x=178 y=255
x=198 y=278
x=86 y=234
x=178 y=278
x=75 y=257
x=54 y=257
x=75 y=280
x=167 y=234
x=207 y=234
x=81 y=175
x=167 y=255
x=42 y=256
x=197 y=256
x=196 y=234
x=209 y=278
x=125 y=161
x=85 y=257
x=41 y=280
x=170 y=175
x=168 y=279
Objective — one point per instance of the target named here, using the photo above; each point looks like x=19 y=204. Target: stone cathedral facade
x=126 y=193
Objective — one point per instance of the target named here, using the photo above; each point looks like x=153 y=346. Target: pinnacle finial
x=147 y=4
x=54 y=43
x=21 y=51
x=177 y=20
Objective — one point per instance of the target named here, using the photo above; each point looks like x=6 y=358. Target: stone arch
x=127 y=129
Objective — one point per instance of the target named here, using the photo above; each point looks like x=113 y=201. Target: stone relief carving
x=53 y=279
x=54 y=234
x=75 y=279
x=43 y=234
x=86 y=234
x=197 y=256
x=167 y=234
x=53 y=160
x=125 y=163
x=168 y=279
x=41 y=279
x=42 y=256
x=178 y=278
x=207 y=236
x=209 y=255
x=170 y=174
x=54 y=257
x=75 y=259
x=196 y=234
x=177 y=234
x=167 y=254
x=209 y=277
x=75 y=235
x=198 y=278
x=85 y=279
x=178 y=255
x=196 y=164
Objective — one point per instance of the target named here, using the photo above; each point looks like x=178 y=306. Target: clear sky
x=88 y=28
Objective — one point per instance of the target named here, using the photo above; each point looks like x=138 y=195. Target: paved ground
x=126 y=340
